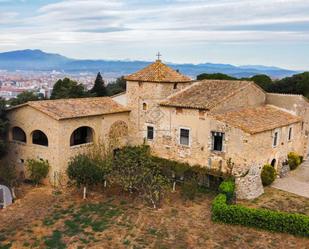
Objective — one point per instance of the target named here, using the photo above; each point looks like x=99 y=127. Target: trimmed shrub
x=268 y=174
x=296 y=224
x=84 y=171
x=189 y=190
x=227 y=187
x=294 y=160
x=38 y=170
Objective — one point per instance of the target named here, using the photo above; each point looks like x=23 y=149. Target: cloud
x=157 y=22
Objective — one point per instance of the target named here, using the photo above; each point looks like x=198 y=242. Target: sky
x=239 y=32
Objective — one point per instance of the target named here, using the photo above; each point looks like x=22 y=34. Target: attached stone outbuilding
x=56 y=130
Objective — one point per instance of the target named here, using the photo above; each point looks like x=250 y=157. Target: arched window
x=273 y=163
x=39 y=137
x=82 y=135
x=19 y=135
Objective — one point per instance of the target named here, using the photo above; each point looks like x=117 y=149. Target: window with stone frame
x=275 y=138
x=217 y=140
x=184 y=138
x=150 y=132
x=290 y=133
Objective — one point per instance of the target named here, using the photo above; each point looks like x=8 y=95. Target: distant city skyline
x=239 y=32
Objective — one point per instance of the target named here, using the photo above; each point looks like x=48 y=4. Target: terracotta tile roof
x=74 y=108
x=158 y=72
x=205 y=94
x=258 y=119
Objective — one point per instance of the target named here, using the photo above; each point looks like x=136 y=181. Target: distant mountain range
x=37 y=60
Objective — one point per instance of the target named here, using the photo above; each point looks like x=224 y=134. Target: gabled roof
x=158 y=72
x=258 y=119
x=205 y=94
x=74 y=108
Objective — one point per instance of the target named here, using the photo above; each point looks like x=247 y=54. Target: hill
x=37 y=60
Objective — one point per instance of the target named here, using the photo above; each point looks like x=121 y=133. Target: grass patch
x=55 y=241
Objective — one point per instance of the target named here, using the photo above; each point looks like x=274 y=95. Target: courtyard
x=296 y=181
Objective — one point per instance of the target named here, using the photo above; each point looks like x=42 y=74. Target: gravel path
x=296 y=182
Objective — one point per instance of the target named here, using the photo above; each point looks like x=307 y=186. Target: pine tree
x=67 y=88
x=99 y=88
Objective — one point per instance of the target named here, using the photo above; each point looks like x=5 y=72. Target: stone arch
x=19 y=135
x=39 y=138
x=118 y=129
x=82 y=135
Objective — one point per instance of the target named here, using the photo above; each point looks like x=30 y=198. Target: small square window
x=150 y=132
x=184 y=136
x=217 y=141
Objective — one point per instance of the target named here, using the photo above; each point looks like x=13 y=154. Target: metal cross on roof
x=158 y=55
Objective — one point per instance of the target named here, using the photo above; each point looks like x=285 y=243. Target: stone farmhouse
x=212 y=123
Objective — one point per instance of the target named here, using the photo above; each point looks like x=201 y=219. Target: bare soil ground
x=45 y=219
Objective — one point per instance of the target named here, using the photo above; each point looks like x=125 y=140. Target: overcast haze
x=268 y=32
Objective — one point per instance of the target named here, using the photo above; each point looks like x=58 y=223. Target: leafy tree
x=263 y=81
x=128 y=167
x=67 y=88
x=116 y=87
x=8 y=175
x=135 y=171
x=99 y=89
x=3 y=128
x=38 y=170
x=25 y=97
x=84 y=171
x=215 y=76
x=297 y=84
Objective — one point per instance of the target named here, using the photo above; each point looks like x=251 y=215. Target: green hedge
x=227 y=187
x=185 y=170
x=296 y=224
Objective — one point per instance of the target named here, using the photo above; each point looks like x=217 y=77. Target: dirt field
x=43 y=219
x=279 y=200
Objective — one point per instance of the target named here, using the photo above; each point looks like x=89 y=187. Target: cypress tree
x=99 y=88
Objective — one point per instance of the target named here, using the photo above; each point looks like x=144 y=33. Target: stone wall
x=150 y=94
x=59 y=150
x=298 y=105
